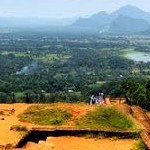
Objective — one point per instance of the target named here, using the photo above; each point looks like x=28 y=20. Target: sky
x=64 y=8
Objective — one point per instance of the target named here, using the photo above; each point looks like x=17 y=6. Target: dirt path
x=7 y=136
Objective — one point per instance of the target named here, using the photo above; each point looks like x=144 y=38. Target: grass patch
x=106 y=118
x=48 y=58
x=2 y=113
x=45 y=116
x=139 y=145
x=20 y=54
x=18 y=128
x=126 y=50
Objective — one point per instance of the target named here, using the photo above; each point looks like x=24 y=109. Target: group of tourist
x=97 y=98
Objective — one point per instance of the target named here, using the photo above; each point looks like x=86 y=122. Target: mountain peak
x=132 y=11
x=129 y=8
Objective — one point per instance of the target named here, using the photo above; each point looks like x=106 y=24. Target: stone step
x=49 y=139
x=41 y=144
x=49 y=143
x=31 y=146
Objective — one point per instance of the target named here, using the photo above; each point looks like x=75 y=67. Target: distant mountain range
x=126 y=20
x=26 y=22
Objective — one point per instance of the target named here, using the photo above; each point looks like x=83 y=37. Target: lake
x=138 y=56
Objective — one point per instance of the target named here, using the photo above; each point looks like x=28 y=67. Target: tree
x=3 y=97
x=136 y=92
x=13 y=98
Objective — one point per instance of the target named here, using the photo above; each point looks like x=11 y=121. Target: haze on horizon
x=64 y=8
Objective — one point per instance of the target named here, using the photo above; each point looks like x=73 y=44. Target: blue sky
x=64 y=8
